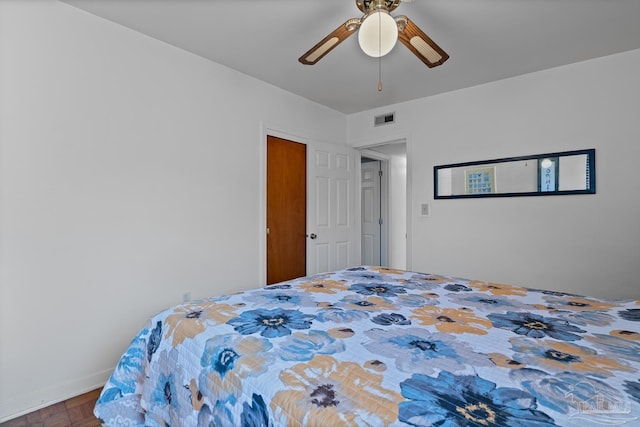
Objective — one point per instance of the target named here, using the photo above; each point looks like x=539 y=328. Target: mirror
x=568 y=172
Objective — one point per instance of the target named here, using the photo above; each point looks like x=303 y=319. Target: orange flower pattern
x=379 y=346
x=324 y=286
x=189 y=320
x=326 y=392
x=452 y=320
x=497 y=288
x=560 y=356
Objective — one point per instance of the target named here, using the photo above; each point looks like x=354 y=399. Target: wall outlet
x=186 y=296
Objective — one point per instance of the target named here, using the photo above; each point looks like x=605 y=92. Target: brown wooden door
x=286 y=209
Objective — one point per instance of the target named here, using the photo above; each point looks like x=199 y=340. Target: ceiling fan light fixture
x=378 y=33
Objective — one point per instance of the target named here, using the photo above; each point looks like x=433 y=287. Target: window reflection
x=570 y=172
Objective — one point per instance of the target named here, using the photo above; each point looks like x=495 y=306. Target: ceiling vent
x=384 y=119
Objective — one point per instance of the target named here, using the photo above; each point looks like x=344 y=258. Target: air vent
x=384 y=119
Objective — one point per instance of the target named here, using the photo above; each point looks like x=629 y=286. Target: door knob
x=312 y=235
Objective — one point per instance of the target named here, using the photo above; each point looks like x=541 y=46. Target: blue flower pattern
x=380 y=289
x=271 y=323
x=536 y=326
x=630 y=314
x=467 y=400
x=228 y=374
x=391 y=319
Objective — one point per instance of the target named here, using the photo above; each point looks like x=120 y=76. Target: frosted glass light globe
x=378 y=34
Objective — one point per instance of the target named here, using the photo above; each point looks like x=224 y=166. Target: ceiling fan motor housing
x=366 y=6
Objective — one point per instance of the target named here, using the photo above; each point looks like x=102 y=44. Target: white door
x=370 y=212
x=331 y=228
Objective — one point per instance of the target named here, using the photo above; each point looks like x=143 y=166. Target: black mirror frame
x=591 y=159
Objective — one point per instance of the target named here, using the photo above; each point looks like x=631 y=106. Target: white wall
x=130 y=172
x=398 y=211
x=582 y=244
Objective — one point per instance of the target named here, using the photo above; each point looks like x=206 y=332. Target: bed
x=370 y=346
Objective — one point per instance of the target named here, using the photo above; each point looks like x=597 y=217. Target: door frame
x=266 y=130
x=287 y=224
x=409 y=217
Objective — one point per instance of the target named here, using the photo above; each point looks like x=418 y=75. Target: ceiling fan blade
x=325 y=45
x=421 y=44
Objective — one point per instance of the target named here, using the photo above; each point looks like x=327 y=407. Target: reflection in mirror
x=569 y=172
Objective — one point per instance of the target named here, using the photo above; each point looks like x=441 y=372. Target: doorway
x=286 y=209
x=373 y=216
x=393 y=187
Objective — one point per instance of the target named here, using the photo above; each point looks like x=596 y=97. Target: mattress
x=371 y=346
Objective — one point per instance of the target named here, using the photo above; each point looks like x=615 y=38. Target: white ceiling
x=487 y=40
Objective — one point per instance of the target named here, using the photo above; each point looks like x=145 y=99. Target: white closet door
x=331 y=228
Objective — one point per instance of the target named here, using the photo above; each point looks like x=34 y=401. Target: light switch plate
x=425 y=209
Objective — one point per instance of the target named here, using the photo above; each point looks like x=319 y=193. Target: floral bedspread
x=370 y=346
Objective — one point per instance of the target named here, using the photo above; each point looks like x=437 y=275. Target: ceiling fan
x=378 y=33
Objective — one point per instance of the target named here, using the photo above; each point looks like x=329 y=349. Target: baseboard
x=17 y=406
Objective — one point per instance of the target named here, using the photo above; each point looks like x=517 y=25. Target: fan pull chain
x=379 y=52
x=379 y=74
